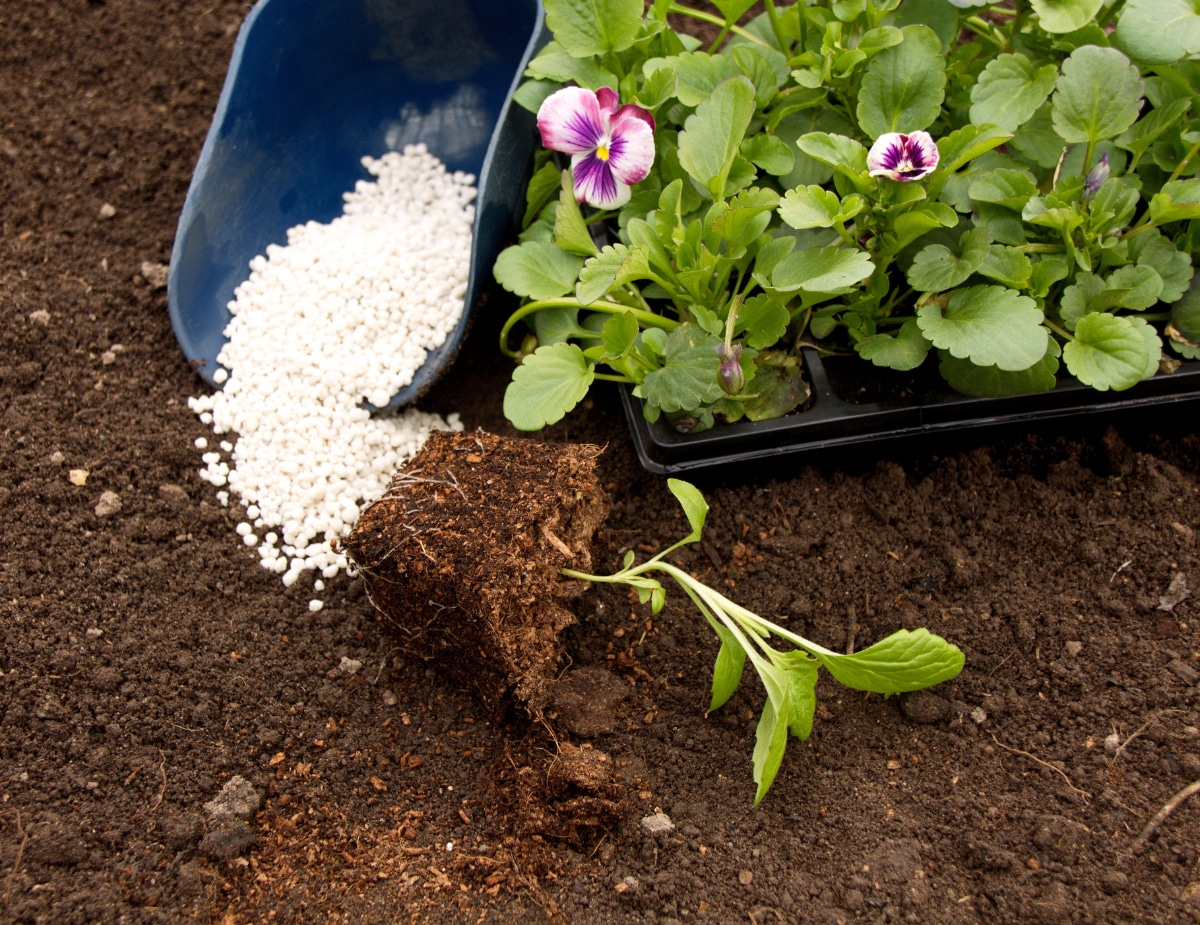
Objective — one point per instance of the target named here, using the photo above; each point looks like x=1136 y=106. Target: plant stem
x=716 y=21
x=644 y=318
x=1110 y=13
x=776 y=28
x=1183 y=163
x=1060 y=331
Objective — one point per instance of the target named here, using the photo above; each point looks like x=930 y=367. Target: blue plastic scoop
x=313 y=86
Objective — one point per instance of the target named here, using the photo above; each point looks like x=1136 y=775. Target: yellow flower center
x=602 y=152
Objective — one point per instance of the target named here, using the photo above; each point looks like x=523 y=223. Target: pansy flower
x=903 y=157
x=611 y=147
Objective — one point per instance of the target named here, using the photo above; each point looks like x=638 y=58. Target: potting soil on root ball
x=462 y=558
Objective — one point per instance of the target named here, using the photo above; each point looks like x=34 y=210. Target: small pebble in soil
x=350 y=666
x=361 y=300
x=658 y=824
x=237 y=798
x=107 y=211
x=314 y=605
x=109 y=504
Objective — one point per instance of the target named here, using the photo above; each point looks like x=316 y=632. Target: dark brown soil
x=148 y=659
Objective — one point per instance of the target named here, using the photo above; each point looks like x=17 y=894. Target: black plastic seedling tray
x=830 y=421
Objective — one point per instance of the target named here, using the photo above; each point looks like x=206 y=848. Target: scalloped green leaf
x=764 y=319
x=904 y=85
x=1008 y=266
x=1108 y=352
x=613 y=267
x=822 y=269
x=1065 y=15
x=712 y=134
x=594 y=27
x=1010 y=90
x=537 y=270
x=552 y=380
x=1098 y=96
x=904 y=350
x=1159 y=31
x=816 y=207
x=1004 y=187
x=1176 y=202
x=990 y=325
x=967 y=143
x=993 y=382
x=690 y=375
x=936 y=268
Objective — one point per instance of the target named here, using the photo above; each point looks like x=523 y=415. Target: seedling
x=904 y=661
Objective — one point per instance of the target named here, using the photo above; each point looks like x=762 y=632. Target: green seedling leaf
x=1007 y=266
x=815 y=207
x=537 y=270
x=618 y=335
x=1159 y=31
x=552 y=380
x=747 y=217
x=937 y=268
x=1010 y=90
x=767 y=69
x=1098 y=95
x=695 y=508
x=659 y=87
x=594 y=27
x=904 y=661
x=904 y=350
x=532 y=93
x=1177 y=201
x=763 y=319
x=911 y=225
x=1153 y=345
x=903 y=88
x=697 y=74
x=613 y=267
x=1173 y=266
x=990 y=325
x=1004 y=187
x=642 y=234
x=733 y=10
x=1065 y=15
x=770 y=739
x=542 y=185
x=711 y=136
x=1140 y=286
x=992 y=382
x=1038 y=142
x=690 y=374
x=769 y=152
x=802 y=693
x=843 y=154
x=822 y=269
x=1108 y=352
x=1185 y=316
x=570 y=231
x=967 y=143
x=553 y=63
x=1089 y=293
x=1138 y=138
x=555 y=325
x=938 y=15
x=728 y=668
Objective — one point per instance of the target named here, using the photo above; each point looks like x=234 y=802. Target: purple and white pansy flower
x=611 y=146
x=902 y=157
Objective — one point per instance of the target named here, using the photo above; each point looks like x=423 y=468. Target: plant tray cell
x=831 y=420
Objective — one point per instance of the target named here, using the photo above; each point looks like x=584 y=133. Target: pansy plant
x=1005 y=190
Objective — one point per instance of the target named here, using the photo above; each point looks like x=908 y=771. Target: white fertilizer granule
x=345 y=312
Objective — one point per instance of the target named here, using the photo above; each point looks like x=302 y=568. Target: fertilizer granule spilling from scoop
x=345 y=312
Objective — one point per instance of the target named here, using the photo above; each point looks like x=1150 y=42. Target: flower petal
x=595 y=183
x=886 y=154
x=635 y=111
x=631 y=150
x=570 y=121
x=609 y=100
x=922 y=152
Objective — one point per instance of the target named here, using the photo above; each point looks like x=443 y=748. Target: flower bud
x=733 y=380
x=1096 y=176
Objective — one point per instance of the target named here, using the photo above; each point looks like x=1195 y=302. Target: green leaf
x=552 y=380
x=1185 y=316
x=747 y=217
x=1153 y=345
x=911 y=225
x=1005 y=187
x=1173 y=266
x=779 y=390
x=1108 y=352
x=802 y=693
x=537 y=270
x=938 y=15
x=904 y=350
x=904 y=661
x=594 y=27
x=1159 y=31
x=727 y=671
x=695 y=508
x=993 y=382
x=1065 y=15
x=767 y=68
x=1006 y=265
x=815 y=207
x=618 y=335
x=1138 y=138
x=711 y=136
x=1140 y=285
x=554 y=64
x=697 y=74
x=937 y=268
x=1037 y=141
x=532 y=93
x=690 y=374
x=991 y=325
x=764 y=319
x=904 y=85
x=554 y=325
x=1176 y=202
x=843 y=154
x=570 y=231
x=733 y=10
x=769 y=152
x=822 y=269
x=613 y=267
x=542 y=185
x=967 y=143
x=658 y=88
x=1010 y=90
x=1098 y=95
x=770 y=741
